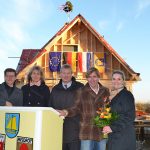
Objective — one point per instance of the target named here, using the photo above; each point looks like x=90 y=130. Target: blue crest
x=12 y=122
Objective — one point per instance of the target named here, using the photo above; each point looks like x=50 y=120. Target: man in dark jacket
x=10 y=95
x=63 y=96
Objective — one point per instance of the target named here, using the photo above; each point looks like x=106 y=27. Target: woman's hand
x=63 y=113
x=107 y=130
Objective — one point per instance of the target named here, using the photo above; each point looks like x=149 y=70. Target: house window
x=70 y=48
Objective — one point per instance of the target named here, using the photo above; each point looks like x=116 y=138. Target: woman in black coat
x=36 y=93
x=121 y=133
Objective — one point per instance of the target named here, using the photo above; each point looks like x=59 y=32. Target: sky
x=124 y=24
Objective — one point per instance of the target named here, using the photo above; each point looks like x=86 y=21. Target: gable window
x=70 y=48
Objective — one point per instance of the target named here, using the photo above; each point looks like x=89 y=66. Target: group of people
x=78 y=104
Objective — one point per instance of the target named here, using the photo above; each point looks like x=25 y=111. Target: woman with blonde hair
x=121 y=132
x=35 y=93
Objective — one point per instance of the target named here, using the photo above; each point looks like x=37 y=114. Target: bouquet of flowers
x=105 y=117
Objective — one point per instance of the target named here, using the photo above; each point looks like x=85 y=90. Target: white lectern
x=30 y=128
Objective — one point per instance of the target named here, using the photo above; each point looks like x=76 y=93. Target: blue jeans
x=93 y=145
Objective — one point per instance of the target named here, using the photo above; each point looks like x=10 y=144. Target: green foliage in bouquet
x=105 y=117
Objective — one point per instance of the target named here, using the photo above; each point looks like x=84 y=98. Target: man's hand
x=63 y=113
x=8 y=104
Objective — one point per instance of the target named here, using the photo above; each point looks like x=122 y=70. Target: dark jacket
x=36 y=96
x=15 y=97
x=62 y=99
x=86 y=105
x=123 y=135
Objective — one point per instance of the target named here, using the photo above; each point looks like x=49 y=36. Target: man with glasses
x=10 y=95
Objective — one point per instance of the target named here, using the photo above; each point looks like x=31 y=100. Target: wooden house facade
x=76 y=36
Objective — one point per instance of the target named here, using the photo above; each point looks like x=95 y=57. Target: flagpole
x=68 y=14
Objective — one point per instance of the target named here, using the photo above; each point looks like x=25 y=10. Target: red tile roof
x=27 y=56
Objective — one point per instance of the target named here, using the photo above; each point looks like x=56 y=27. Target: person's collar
x=35 y=83
x=95 y=90
x=8 y=85
x=120 y=89
x=66 y=84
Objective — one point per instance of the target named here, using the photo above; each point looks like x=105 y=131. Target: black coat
x=36 y=96
x=123 y=135
x=62 y=99
x=16 y=97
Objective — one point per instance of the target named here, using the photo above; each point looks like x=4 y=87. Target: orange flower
x=105 y=113
x=100 y=109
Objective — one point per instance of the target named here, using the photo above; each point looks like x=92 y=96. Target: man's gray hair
x=66 y=66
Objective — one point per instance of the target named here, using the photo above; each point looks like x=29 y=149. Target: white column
x=38 y=131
